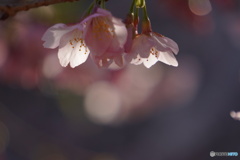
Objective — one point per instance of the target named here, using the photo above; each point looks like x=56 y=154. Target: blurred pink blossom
x=24 y=55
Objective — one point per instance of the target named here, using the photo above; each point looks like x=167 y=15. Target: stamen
x=154 y=52
x=77 y=38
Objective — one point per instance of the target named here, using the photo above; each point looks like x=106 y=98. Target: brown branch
x=9 y=9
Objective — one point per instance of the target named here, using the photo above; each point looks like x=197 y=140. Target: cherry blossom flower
x=70 y=40
x=105 y=37
x=100 y=34
x=150 y=47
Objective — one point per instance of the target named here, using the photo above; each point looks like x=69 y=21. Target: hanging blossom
x=100 y=34
x=105 y=37
x=70 y=40
x=150 y=47
x=153 y=47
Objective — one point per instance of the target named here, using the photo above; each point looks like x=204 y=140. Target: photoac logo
x=222 y=154
x=212 y=153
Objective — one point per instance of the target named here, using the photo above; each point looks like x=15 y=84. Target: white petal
x=168 y=58
x=64 y=55
x=151 y=60
x=53 y=35
x=79 y=55
x=138 y=60
x=65 y=49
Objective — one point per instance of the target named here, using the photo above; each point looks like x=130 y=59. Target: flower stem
x=89 y=9
x=136 y=17
x=145 y=14
x=103 y=4
x=132 y=7
x=146 y=24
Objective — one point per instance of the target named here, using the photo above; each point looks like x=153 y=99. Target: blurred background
x=163 y=113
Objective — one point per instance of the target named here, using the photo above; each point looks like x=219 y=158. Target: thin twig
x=10 y=9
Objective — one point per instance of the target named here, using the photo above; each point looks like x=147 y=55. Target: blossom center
x=77 y=41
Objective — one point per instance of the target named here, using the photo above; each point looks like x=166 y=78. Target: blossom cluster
x=107 y=40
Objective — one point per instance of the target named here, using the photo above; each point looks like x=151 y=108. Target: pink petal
x=173 y=45
x=128 y=44
x=166 y=43
x=99 y=12
x=105 y=34
x=142 y=45
x=98 y=41
x=119 y=36
x=159 y=44
x=119 y=60
x=103 y=12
